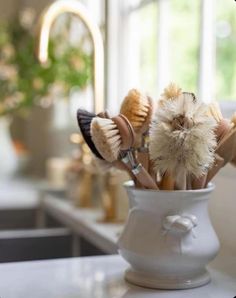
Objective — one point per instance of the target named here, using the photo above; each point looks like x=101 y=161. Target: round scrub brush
x=137 y=108
x=114 y=139
x=182 y=139
x=109 y=139
x=84 y=121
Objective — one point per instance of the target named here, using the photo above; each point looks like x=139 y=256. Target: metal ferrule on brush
x=125 y=158
x=137 y=169
x=131 y=159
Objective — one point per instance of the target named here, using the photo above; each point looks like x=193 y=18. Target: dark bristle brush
x=84 y=119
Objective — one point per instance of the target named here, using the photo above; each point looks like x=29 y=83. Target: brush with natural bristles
x=182 y=139
x=226 y=149
x=109 y=145
x=223 y=125
x=138 y=109
x=84 y=119
x=225 y=141
x=171 y=93
x=114 y=138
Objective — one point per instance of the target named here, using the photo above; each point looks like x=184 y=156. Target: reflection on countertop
x=98 y=277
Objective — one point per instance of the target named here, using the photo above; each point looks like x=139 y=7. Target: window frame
x=117 y=14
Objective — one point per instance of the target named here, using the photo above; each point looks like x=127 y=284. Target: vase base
x=165 y=283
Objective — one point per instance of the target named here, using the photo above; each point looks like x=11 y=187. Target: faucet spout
x=45 y=23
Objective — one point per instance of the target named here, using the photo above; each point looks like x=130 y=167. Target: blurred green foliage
x=23 y=81
x=184 y=23
x=226 y=50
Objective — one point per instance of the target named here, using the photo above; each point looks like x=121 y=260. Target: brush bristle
x=214 y=111
x=233 y=119
x=182 y=137
x=84 y=119
x=171 y=92
x=106 y=138
x=136 y=108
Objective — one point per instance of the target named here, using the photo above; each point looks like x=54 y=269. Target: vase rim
x=130 y=185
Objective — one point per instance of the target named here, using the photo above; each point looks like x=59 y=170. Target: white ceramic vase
x=8 y=156
x=168 y=238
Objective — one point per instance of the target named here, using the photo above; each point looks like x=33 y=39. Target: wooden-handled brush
x=138 y=109
x=222 y=128
x=171 y=93
x=225 y=150
x=226 y=147
x=182 y=139
x=223 y=125
x=84 y=119
x=114 y=138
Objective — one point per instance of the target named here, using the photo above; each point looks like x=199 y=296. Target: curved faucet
x=45 y=23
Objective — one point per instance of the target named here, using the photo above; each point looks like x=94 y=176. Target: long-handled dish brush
x=84 y=119
x=114 y=139
x=182 y=139
x=138 y=109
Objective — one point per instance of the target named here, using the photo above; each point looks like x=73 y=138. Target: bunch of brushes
x=179 y=143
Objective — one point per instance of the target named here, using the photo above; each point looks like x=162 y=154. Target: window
x=226 y=50
x=153 y=42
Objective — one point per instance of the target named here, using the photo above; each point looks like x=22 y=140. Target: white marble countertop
x=100 y=277
x=84 y=222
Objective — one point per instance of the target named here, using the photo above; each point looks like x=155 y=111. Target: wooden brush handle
x=143 y=158
x=198 y=183
x=218 y=164
x=124 y=167
x=224 y=153
x=233 y=161
x=144 y=178
x=226 y=147
x=181 y=180
x=167 y=182
x=126 y=131
x=222 y=130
